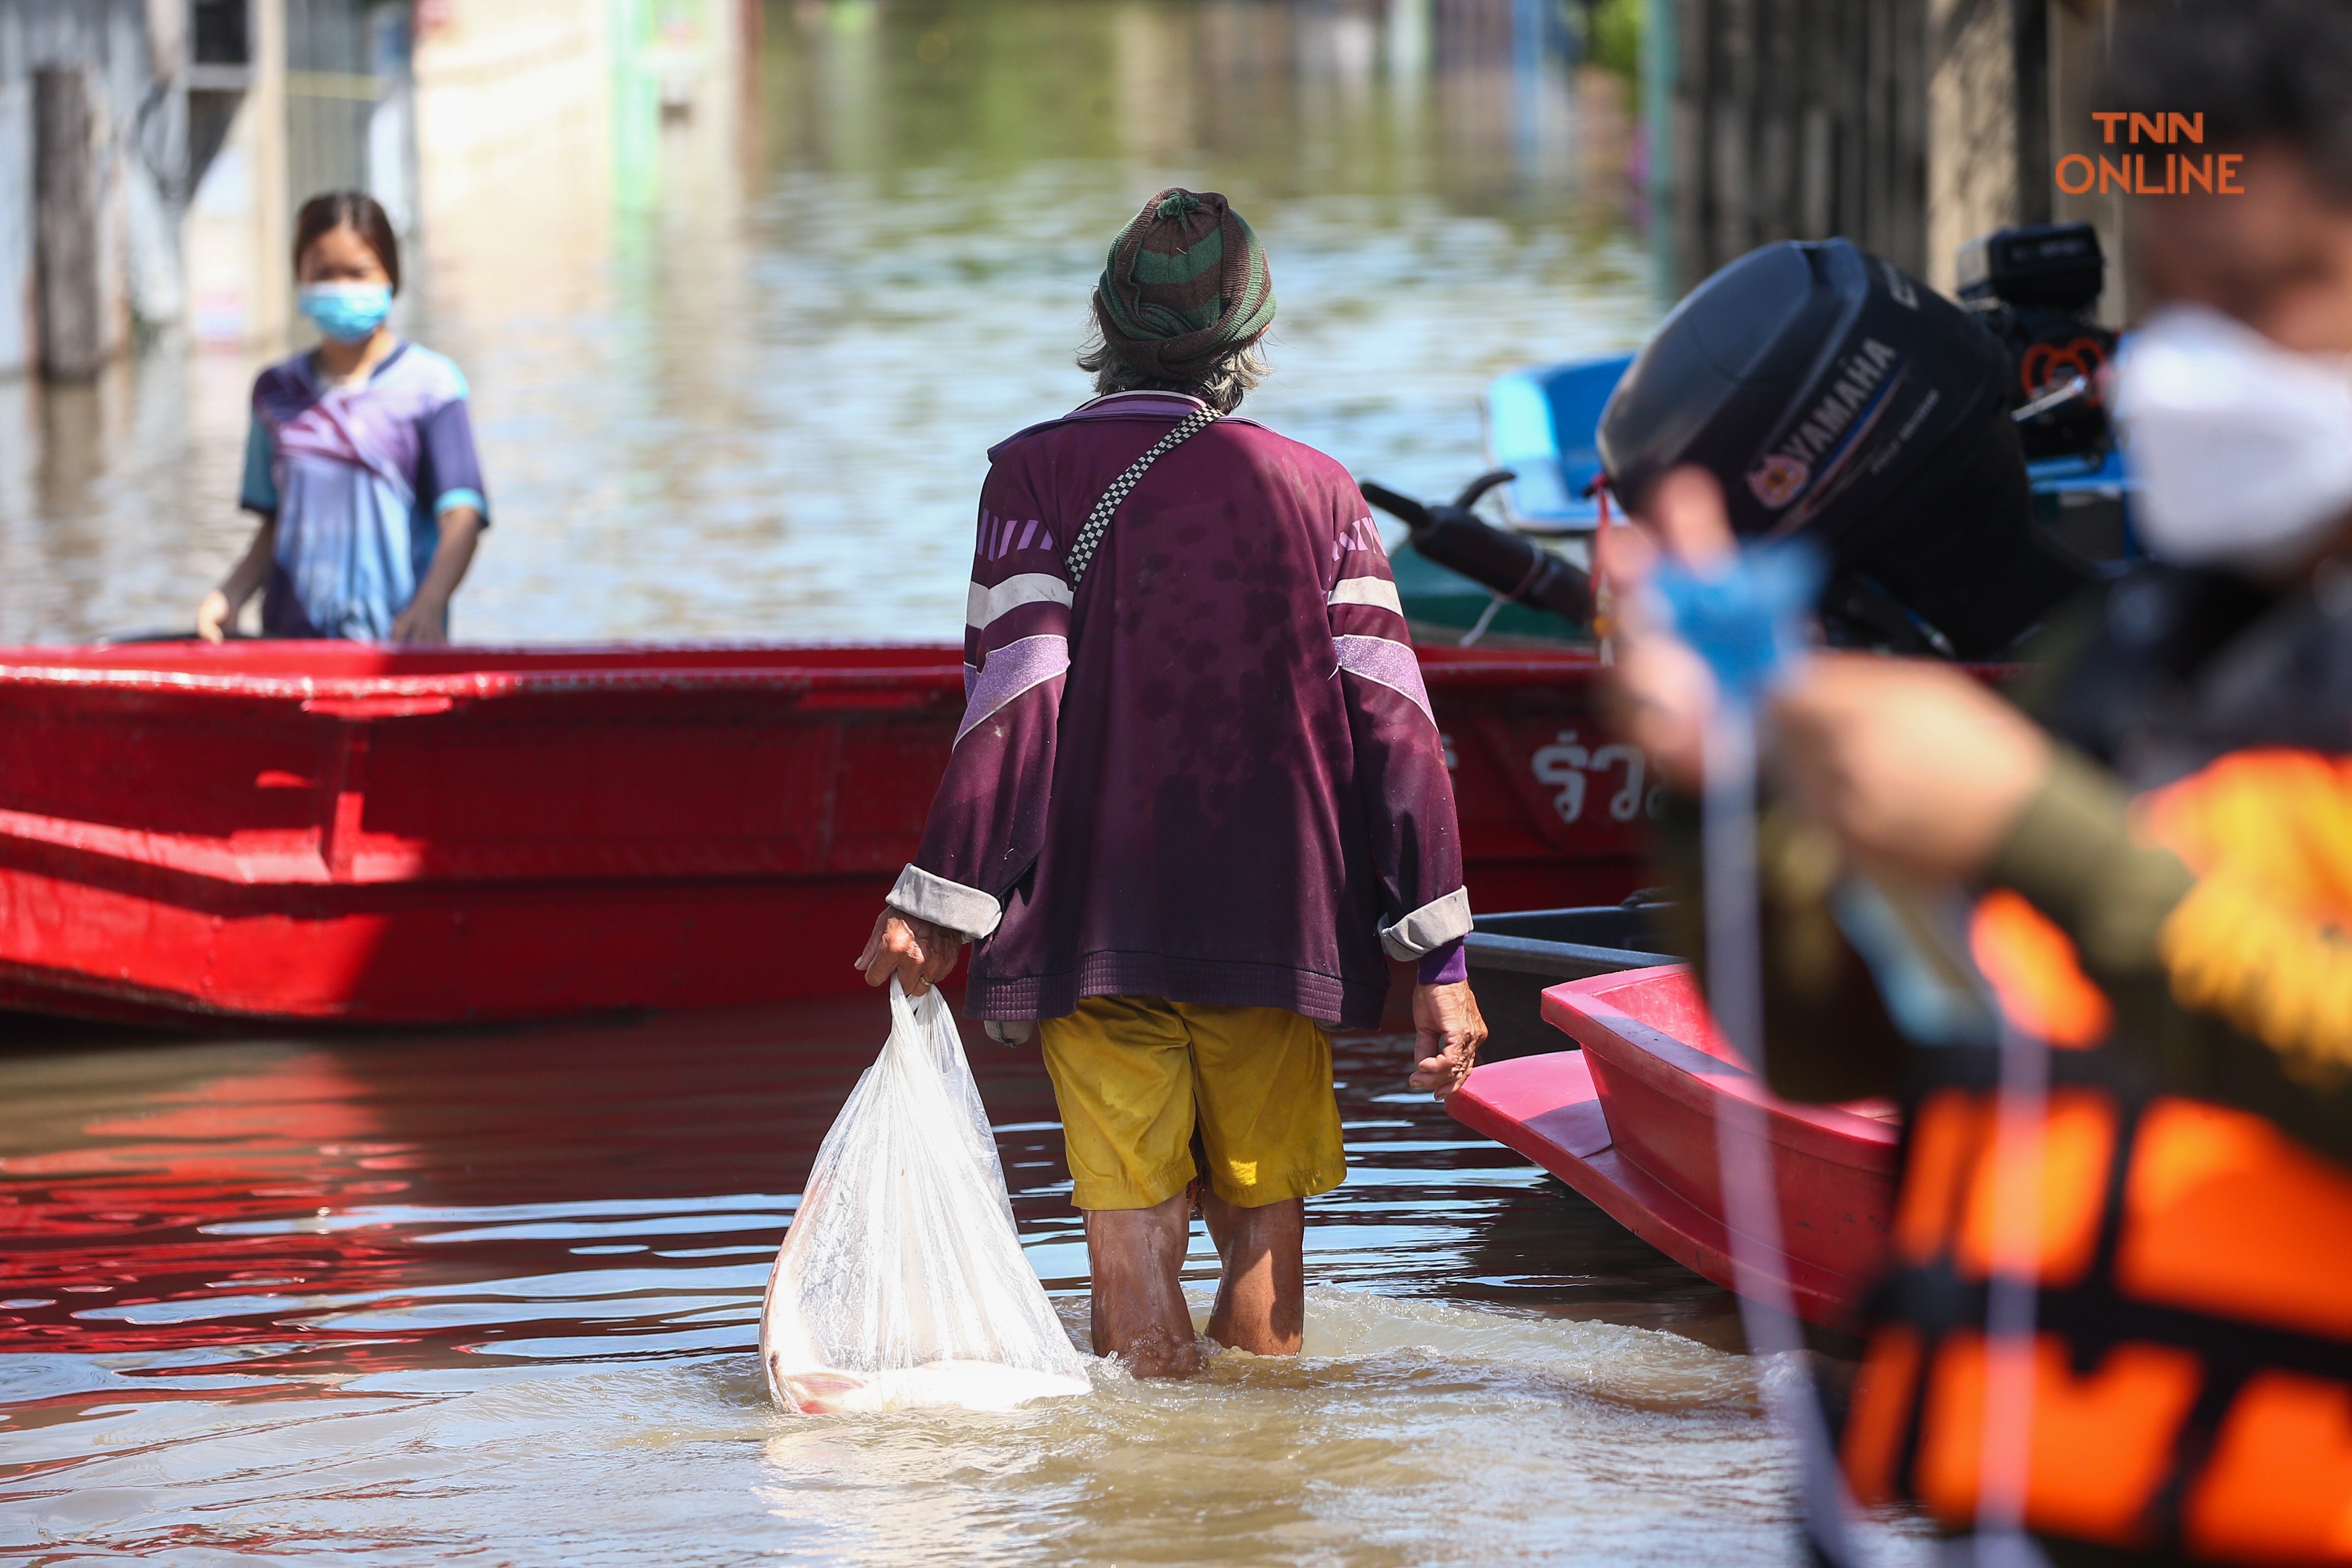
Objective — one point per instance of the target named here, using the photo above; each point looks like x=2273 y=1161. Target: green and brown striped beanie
x=1186 y=283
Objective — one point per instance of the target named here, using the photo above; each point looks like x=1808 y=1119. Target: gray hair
x=1229 y=377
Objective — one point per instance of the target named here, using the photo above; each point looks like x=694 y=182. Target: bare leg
x=1262 y=1295
x=1138 y=1258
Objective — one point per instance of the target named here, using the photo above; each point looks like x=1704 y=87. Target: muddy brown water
x=492 y=1297
x=735 y=371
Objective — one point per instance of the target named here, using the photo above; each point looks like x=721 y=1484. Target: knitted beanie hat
x=1186 y=282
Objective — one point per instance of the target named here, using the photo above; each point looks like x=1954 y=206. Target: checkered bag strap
x=1081 y=552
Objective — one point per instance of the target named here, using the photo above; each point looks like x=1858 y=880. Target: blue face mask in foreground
x=347 y=313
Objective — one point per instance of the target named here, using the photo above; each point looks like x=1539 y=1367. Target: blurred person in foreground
x=360 y=461
x=1197 y=800
x=2152 y=857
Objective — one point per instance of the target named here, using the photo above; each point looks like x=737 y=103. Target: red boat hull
x=335 y=831
x=1629 y=1121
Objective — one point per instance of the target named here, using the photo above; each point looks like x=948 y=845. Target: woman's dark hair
x=2257 y=70
x=354 y=210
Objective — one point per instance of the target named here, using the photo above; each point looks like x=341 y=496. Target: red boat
x=1629 y=1121
x=339 y=831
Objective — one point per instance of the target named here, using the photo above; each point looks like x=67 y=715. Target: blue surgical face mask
x=347 y=313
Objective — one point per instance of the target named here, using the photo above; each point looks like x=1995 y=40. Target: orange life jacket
x=2191 y=1366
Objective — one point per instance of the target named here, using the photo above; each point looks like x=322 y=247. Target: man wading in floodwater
x=1196 y=801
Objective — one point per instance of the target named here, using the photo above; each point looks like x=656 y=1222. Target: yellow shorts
x=1132 y=1074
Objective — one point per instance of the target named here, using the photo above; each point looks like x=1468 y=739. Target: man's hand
x=1446 y=1034
x=920 y=953
x=1915 y=766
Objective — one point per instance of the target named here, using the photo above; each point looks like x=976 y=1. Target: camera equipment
x=2035 y=289
x=1506 y=563
x=1837 y=399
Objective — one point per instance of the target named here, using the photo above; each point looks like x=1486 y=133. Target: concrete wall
x=513 y=105
x=2013 y=92
x=510 y=94
x=1790 y=120
x=1909 y=126
x=2078 y=31
x=541 y=123
x=1973 y=174
x=139 y=150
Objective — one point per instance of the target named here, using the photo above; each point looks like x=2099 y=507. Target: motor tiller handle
x=1516 y=568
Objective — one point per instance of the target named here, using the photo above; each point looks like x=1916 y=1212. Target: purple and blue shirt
x=1209 y=771
x=358 y=479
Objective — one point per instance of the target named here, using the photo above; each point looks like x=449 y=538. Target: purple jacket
x=1209 y=775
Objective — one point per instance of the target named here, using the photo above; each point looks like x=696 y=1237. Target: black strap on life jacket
x=2182 y=667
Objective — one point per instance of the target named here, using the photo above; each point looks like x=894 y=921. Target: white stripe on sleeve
x=983 y=605
x=1377 y=591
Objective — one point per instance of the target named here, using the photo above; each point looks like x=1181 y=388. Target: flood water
x=736 y=369
x=494 y=1297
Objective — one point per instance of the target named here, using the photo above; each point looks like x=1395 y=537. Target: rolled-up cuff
x=1445 y=964
x=965 y=911
x=1432 y=925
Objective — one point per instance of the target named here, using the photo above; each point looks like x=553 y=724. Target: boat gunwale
x=478 y=685
x=540 y=670
x=1829 y=1133
x=1626 y=1190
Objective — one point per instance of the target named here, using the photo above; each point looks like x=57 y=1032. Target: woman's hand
x=426 y=620
x=215 y=616
x=1447 y=1030
x=920 y=953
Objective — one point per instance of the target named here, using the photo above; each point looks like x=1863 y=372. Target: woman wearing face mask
x=2150 y=858
x=360 y=461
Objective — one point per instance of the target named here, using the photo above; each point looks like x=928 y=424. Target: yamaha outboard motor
x=1840 y=400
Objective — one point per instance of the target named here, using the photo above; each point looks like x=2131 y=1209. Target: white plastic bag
x=902 y=1282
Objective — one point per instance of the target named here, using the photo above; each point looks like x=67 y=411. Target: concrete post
x=80 y=325
x=238 y=226
x=2029 y=32
x=1661 y=79
x=1975 y=151
x=2078 y=45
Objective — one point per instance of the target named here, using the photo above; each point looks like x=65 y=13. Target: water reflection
x=498 y=1293
x=736 y=364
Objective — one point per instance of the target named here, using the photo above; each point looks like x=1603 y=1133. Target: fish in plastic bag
x=901 y=1282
